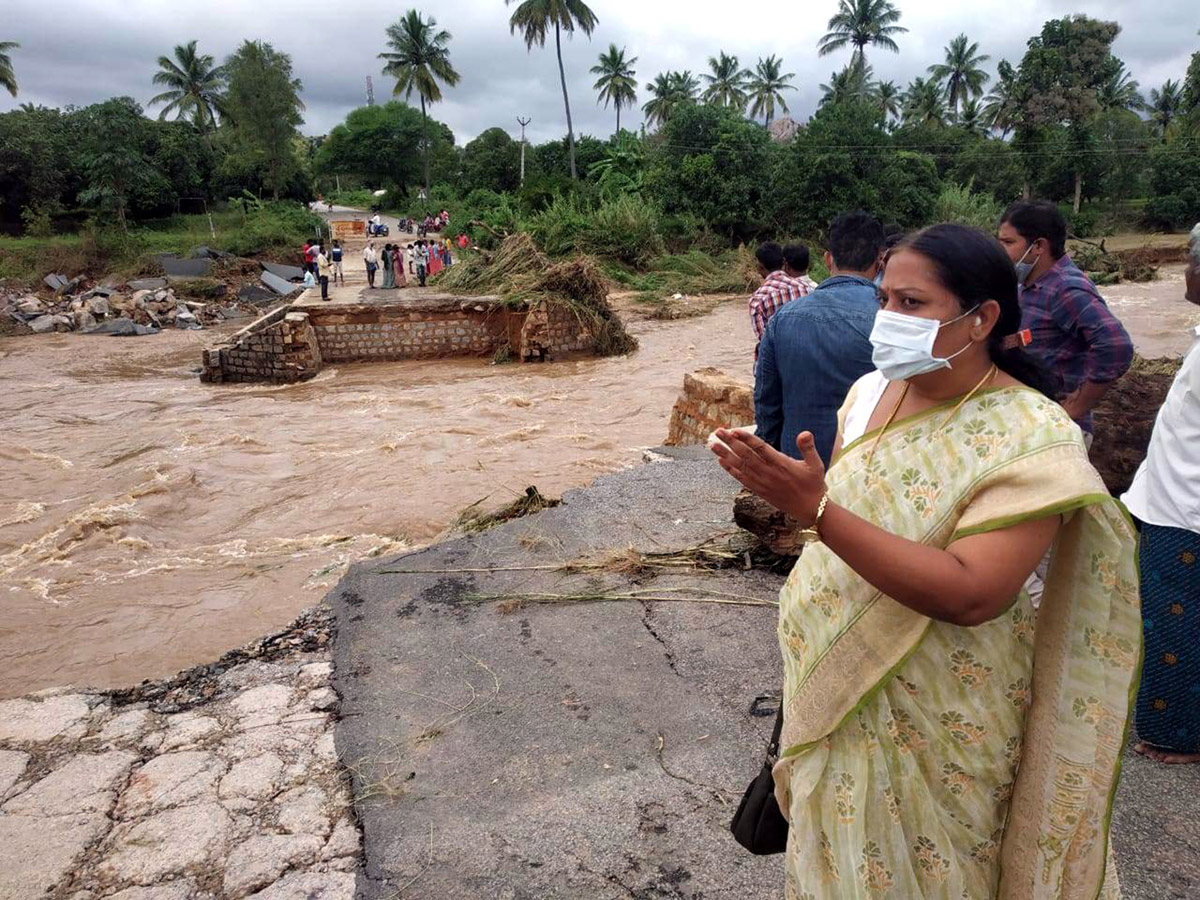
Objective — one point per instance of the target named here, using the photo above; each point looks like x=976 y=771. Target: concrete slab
x=277 y=284
x=287 y=273
x=175 y=267
x=559 y=751
x=148 y=284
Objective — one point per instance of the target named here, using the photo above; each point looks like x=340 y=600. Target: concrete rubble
x=221 y=783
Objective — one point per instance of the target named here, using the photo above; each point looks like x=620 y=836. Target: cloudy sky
x=81 y=51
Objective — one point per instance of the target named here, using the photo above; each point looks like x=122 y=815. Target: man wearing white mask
x=1074 y=334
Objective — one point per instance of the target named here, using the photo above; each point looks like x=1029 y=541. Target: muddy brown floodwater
x=149 y=522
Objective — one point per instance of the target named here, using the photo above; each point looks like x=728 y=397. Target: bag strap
x=773 y=746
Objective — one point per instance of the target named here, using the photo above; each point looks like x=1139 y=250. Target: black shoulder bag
x=758 y=825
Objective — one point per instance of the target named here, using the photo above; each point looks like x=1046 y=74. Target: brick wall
x=288 y=344
x=365 y=333
x=281 y=347
x=710 y=400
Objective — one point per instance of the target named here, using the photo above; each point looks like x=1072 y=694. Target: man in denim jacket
x=816 y=347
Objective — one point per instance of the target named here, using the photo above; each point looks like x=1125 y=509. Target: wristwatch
x=812 y=534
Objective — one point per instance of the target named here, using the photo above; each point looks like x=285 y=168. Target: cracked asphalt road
x=598 y=749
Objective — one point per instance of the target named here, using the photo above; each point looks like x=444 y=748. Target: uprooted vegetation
x=524 y=277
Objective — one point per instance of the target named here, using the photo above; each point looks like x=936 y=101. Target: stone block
x=254 y=778
x=36 y=721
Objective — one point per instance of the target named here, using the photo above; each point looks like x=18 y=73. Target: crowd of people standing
x=925 y=415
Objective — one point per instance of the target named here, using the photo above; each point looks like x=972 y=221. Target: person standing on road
x=422 y=262
x=796 y=259
x=371 y=261
x=398 y=266
x=324 y=268
x=336 y=258
x=813 y=350
x=1071 y=329
x=776 y=290
x=389 y=275
x=411 y=253
x=1165 y=499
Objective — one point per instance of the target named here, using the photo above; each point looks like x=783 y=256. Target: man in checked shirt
x=777 y=289
x=1072 y=330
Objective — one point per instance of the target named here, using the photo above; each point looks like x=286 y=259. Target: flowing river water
x=149 y=522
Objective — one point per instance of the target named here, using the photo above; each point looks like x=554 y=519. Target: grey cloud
x=83 y=51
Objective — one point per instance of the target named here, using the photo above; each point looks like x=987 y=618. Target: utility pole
x=523 y=122
x=370 y=92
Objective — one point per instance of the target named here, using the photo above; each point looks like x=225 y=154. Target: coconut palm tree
x=533 y=18
x=970 y=118
x=1001 y=108
x=887 y=98
x=668 y=91
x=923 y=104
x=8 y=78
x=862 y=23
x=617 y=83
x=1120 y=91
x=765 y=88
x=1164 y=104
x=194 y=87
x=727 y=83
x=852 y=83
x=418 y=59
x=961 y=72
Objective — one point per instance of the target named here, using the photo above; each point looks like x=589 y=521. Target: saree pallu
x=927 y=760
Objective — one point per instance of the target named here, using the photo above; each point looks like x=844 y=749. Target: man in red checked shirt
x=1073 y=332
x=776 y=290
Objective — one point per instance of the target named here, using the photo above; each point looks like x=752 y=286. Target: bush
x=1174 y=204
x=962 y=206
x=272 y=226
x=625 y=229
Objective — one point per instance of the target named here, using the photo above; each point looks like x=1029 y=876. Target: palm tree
x=960 y=72
x=668 y=91
x=852 y=83
x=923 y=104
x=862 y=23
x=1164 y=104
x=617 y=83
x=1120 y=91
x=766 y=86
x=194 y=84
x=418 y=60
x=8 y=78
x=971 y=118
x=887 y=98
x=727 y=83
x=534 y=18
x=1002 y=107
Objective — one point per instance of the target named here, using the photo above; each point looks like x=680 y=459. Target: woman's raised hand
x=793 y=486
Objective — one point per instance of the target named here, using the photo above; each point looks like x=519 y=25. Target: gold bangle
x=816 y=525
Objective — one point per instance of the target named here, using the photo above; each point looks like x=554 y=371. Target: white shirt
x=1166 y=488
x=375 y=220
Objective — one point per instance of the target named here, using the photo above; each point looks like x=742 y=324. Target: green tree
x=492 y=161
x=1001 y=108
x=862 y=24
x=1165 y=104
x=623 y=169
x=8 y=78
x=1060 y=77
x=194 y=87
x=888 y=98
x=264 y=106
x=712 y=164
x=990 y=166
x=39 y=161
x=923 y=104
x=961 y=73
x=113 y=162
x=418 y=59
x=766 y=87
x=383 y=146
x=617 y=83
x=727 y=83
x=534 y=18
x=1191 y=85
x=669 y=91
x=971 y=119
x=1120 y=91
x=851 y=84
x=1174 y=183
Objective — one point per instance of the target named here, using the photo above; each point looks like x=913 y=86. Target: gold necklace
x=904 y=393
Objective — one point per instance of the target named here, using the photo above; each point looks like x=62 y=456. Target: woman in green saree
x=942 y=739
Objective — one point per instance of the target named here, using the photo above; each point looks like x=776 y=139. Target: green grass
x=273 y=230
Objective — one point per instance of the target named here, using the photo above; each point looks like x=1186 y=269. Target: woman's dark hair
x=974 y=267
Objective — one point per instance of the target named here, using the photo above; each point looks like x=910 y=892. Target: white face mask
x=1025 y=269
x=902 y=346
